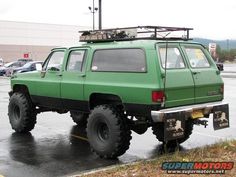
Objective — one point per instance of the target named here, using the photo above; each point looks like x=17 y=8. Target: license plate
x=197 y=114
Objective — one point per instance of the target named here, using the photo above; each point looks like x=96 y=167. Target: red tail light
x=158 y=96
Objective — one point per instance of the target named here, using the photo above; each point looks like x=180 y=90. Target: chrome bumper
x=158 y=116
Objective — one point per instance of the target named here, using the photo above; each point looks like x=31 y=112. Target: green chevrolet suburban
x=125 y=79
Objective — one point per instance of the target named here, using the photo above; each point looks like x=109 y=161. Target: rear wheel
x=107 y=131
x=21 y=112
x=158 y=130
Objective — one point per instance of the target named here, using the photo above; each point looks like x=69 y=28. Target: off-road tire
x=21 y=112
x=158 y=130
x=79 y=118
x=108 y=133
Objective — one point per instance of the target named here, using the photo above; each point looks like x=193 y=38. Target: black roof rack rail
x=136 y=33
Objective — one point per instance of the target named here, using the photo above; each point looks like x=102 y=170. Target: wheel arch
x=96 y=99
x=20 y=88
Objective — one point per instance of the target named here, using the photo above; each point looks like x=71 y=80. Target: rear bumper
x=207 y=108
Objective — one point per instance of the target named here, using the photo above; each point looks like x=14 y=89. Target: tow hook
x=201 y=122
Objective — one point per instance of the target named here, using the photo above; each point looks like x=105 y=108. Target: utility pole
x=100 y=14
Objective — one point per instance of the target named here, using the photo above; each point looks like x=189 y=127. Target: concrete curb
x=89 y=172
x=3 y=77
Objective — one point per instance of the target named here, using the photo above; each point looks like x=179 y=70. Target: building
x=34 y=40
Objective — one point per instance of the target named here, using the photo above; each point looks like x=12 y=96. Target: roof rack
x=136 y=33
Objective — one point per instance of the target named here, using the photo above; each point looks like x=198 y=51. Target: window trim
x=140 y=48
x=83 y=60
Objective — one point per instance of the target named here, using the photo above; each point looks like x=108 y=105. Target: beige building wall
x=36 y=39
x=14 y=52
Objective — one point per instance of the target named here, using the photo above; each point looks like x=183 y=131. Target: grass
x=224 y=151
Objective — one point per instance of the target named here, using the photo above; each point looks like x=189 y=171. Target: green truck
x=125 y=79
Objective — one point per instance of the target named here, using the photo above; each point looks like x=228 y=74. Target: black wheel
x=108 y=133
x=22 y=114
x=79 y=117
x=158 y=130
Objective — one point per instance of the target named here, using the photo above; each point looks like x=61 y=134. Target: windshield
x=8 y=64
x=27 y=65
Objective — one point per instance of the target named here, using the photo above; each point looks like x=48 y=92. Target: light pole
x=100 y=14
x=93 y=10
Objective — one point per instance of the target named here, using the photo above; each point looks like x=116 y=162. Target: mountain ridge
x=224 y=44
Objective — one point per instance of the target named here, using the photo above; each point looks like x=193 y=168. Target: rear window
x=173 y=60
x=123 y=60
x=196 y=57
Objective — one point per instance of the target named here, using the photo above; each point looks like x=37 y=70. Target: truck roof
x=129 y=44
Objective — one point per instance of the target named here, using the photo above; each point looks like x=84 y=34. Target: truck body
x=169 y=85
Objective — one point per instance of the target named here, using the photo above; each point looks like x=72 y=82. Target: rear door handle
x=196 y=72
x=59 y=74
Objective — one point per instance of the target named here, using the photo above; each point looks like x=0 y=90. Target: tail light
x=158 y=96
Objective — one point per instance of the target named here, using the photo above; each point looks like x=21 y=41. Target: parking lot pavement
x=58 y=147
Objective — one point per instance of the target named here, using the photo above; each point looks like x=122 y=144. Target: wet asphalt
x=58 y=147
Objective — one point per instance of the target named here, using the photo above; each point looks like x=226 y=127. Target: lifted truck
x=121 y=80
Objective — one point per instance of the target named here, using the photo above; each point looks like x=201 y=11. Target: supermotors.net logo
x=197 y=167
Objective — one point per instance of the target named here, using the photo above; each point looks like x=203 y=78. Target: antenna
x=166 y=57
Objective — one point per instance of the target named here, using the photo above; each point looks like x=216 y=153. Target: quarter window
x=125 y=60
x=75 y=61
x=197 y=58
x=173 y=59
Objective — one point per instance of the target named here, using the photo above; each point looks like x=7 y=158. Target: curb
x=3 y=77
x=89 y=172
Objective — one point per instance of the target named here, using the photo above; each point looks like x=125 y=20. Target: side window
x=123 y=60
x=197 y=58
x=75 y=61
x=174 y=58
x=54 y=62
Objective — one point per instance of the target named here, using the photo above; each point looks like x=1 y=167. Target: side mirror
x=220 y=66
x=38 y=67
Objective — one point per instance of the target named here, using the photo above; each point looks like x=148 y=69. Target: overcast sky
x=214 y=19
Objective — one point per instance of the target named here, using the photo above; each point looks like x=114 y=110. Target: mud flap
x=221 y=117
x=174 y=126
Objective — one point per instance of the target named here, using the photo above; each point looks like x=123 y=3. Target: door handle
x=196 y=72
x=59 y=74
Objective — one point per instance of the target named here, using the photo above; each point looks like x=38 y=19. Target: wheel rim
x=16 y=112
x=103 y=131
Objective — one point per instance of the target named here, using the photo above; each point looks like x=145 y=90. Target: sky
x=212 y=19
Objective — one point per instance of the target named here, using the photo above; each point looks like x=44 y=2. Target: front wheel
x=107 y=131
x=21 y=112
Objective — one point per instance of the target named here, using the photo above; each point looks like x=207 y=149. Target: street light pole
x=93 y=10
x=100 y=14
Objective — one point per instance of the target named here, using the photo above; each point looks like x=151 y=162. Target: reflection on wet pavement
x=55 y=156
